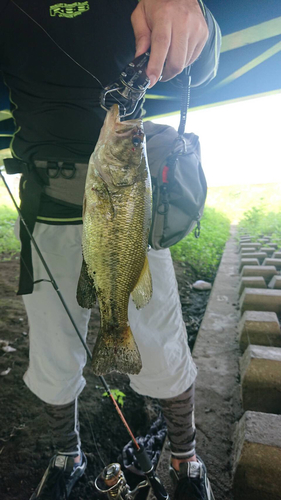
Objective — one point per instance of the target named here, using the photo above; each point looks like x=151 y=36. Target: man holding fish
x=54 y=58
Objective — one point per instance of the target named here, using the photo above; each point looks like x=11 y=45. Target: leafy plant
x=118 y=396
x=8 y=242
x=258 y=221
x=204 y=253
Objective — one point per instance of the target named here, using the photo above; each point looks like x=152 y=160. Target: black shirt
x=55 y=103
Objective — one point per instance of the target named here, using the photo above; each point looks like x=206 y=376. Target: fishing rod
x=111 y=481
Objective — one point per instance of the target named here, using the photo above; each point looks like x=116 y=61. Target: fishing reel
x=129 y=88
x=112 y=482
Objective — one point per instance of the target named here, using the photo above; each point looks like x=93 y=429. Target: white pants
x=57 y=357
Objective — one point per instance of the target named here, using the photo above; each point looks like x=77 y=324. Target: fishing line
x=92 y=432
x=141 y=454
x=54 y=41
x=64 y=51
x=55 y=286
x=52 y=280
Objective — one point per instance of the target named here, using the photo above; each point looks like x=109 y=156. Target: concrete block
x=248 y=262
x=265 y=239
x=248 y=250
x=268 y=250
x=275 y=283
x=254 y=255
x=245 y=239
x=260 y=369
x=276 y=255
x=272 y=262
x=273 y=245
x=259 y=328
x=251 y=282
x=266 y=271
x=257 y=457
x=250 y=244
x=255 y=299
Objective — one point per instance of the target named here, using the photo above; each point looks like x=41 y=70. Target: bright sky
x=240 y=142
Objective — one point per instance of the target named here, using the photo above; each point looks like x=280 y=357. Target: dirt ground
x=25 y=441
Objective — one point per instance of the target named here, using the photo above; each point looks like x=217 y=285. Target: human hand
x=175 y=30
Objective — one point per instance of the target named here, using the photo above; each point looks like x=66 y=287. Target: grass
x=259 y=221
x=255 y=208
x=204 y=253
x=9 y=245
x=8 y=242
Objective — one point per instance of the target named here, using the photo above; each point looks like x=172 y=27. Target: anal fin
x=142 y=292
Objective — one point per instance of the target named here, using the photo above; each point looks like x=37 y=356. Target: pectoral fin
x=142 y=292
x=86 y=294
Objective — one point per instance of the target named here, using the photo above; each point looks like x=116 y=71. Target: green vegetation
x=8 y=242
x=259 y=221
x=8 y=215
x=118 y=396
x=256 y=208
x=204 y=253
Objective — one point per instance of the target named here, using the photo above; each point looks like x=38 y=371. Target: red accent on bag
x=165 y=175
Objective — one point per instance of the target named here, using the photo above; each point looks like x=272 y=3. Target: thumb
x=141 y=30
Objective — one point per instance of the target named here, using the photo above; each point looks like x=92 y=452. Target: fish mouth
x=114 y=113
x=124 y=127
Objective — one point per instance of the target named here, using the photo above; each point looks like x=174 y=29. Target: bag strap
x=185 y=101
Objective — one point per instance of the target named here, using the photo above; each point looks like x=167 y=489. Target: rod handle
x=147 y=467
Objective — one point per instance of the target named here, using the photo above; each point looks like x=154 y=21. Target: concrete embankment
x=216 y=353
x=238 y=355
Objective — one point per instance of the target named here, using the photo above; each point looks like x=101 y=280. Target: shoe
x=191 y=481
x=59 y=478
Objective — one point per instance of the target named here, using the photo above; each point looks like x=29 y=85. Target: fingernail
x=152 y=79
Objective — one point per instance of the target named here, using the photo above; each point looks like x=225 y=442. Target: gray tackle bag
x=178 y=184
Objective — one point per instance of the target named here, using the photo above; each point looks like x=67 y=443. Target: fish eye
x=136 y=140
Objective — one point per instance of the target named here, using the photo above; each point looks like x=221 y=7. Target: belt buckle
x=67 y=170
x=53 y=165
x=68 y=167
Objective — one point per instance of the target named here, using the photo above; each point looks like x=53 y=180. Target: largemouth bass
x=116 y=223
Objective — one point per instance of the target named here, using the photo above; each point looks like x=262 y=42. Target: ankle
x=177 y=461
x=77 y=460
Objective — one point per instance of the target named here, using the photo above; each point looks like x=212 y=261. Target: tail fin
x=116 y=351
